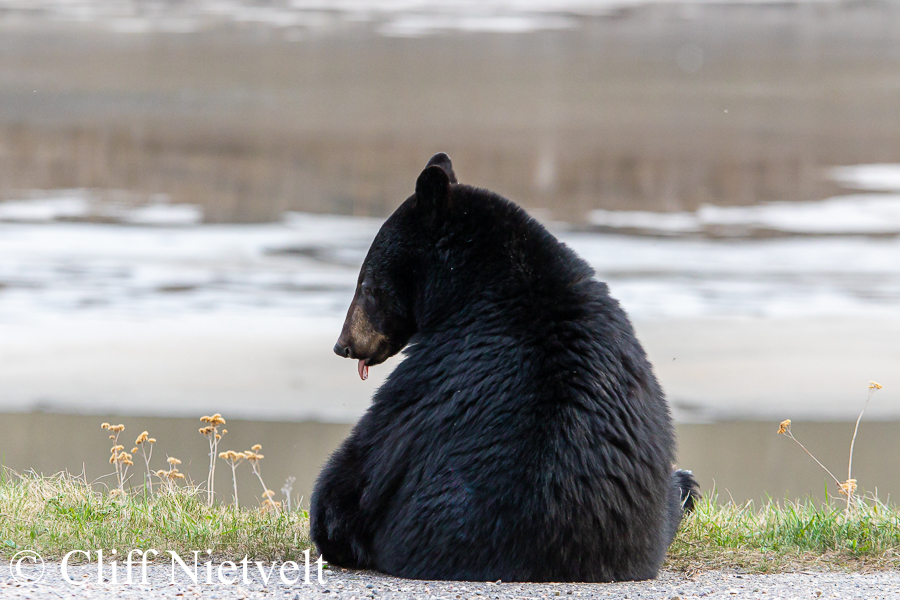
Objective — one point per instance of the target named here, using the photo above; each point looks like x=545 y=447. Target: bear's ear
x=433 y=192
x=443 y=161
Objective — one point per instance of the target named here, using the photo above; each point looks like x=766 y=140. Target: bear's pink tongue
x=363 y=370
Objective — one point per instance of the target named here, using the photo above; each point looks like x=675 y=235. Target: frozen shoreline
x=397 y=19
x=155 y=261
x=283 y=369
x=240 y=319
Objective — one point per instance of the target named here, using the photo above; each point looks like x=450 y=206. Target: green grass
x=56 y=514
x=53 y=515
x=788 y=536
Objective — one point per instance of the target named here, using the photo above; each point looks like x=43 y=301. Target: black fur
x=443 y=161
x=524 y=437
x=689 y=491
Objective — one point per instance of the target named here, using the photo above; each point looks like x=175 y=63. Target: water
x=655 y=106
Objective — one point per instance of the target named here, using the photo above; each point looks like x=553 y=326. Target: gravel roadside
x=359 y=585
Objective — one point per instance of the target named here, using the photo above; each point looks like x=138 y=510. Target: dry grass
x=53 y=515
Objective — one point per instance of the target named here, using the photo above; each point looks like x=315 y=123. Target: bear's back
x=505 y=442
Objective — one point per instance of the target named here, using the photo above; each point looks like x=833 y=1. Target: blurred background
x=188 y=188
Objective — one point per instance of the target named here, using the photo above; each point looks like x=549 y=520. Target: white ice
x=397 y=17
x=182 y=319
x=882 y=177
x=851 y=214
x=307 y=264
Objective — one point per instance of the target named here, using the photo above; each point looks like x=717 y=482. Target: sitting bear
x=524 y=437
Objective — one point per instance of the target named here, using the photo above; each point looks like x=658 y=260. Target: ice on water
x=152 y=260
x=395 y=17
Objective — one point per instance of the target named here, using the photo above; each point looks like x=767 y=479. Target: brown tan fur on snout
x=358 y=334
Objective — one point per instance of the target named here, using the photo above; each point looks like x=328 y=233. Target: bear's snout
x=348 y=344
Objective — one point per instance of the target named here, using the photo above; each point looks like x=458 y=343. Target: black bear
x=524 y=437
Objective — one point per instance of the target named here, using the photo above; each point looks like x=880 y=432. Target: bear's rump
x=529 y=507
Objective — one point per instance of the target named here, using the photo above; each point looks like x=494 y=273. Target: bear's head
x=381 y=320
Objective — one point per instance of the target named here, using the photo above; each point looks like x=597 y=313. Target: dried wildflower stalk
x=784 y=428
x=211 y=433
x=234 y=459
x=268 y=503
x=851 y=483
x=253 y=457
x=846 y=488
x=142 y=443
x=286 y=489
x=172 y=475
x=120 y=459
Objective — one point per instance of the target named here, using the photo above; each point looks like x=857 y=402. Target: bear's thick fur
x=524 y=437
